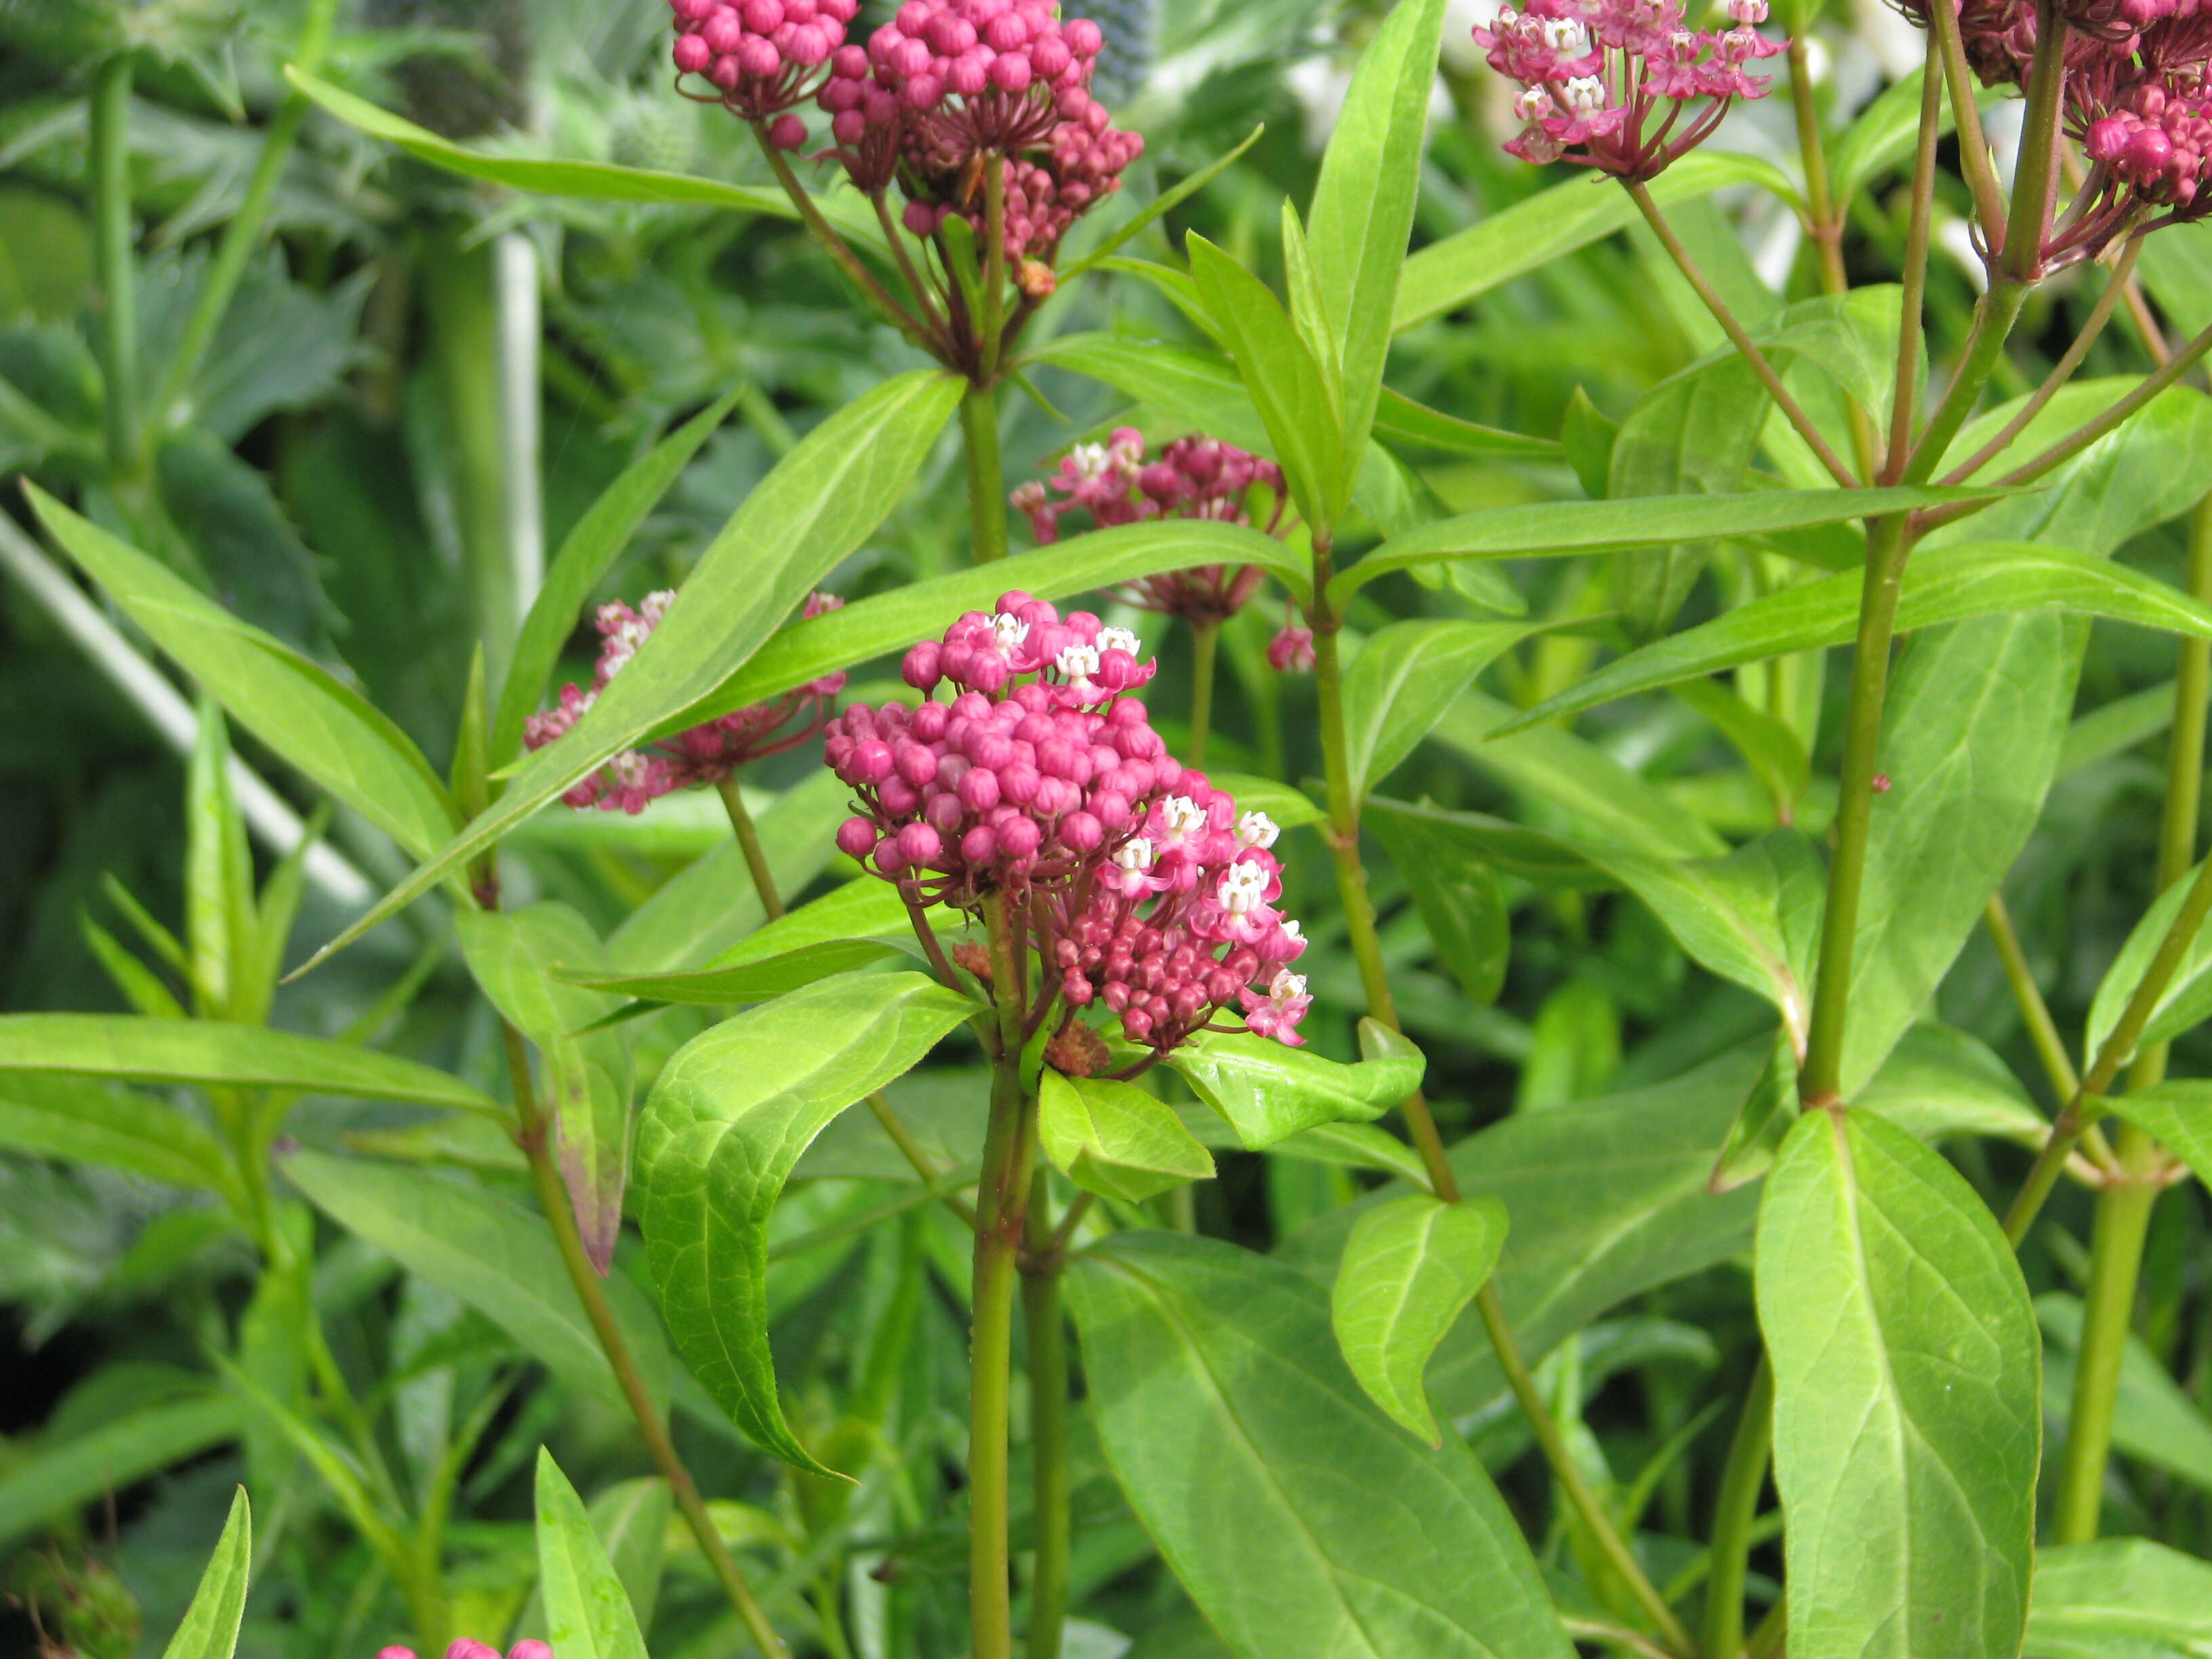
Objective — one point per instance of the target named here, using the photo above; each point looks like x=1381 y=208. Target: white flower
x=1286 y=984
x=1243 y=889
x=1257 y=829
x=1292 y=932
x=1134 y=853
x=1564 y=36
x=1534 y=104
x=1585 y=95
x=1009 y=630
x=1091 y=460
x=1118 y=639
x=1078 y=662
x=1183 y=815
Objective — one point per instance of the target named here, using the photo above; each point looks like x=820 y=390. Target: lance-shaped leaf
x=1115 y=1140
x=1458 y=896
x=586 y=555
x=729 y=1115
x=2187 y=998
x=517 y=956
x=1287 y=386
x=91 y=1122
x=493 y=1254
x=2120 y=1598
x=1404 y=679
x=810 y=512
x=317 y=723
x=1941 y=585
x=1907 y=1424
x=1939 y=1082
x=1268 y=1090
x=59 y=1477
x=587 y=1612
x=1410 y=1269
x=1416 y=426
x=208 y=1052
x=1301 y=1521
x=1362 y=204
x=209 y=1630
x=2178 y=1113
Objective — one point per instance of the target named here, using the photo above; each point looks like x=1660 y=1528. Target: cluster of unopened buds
x=941 y=87
x=1608 y=83
x=1114 y=483
x=466 y=1647
x=704 y=754
x=1039 y=782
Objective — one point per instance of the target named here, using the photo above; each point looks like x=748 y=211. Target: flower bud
x=857 y=838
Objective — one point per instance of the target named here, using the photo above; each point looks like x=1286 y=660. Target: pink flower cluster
x=1594 y=75
x=1040 y=781
x=762 y=57
x=466 y=1647
x=1193 y=478
x=2154 y=144
x=706 y=753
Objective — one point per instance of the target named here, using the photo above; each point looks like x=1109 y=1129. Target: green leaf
x=1416 y=426
x=2178 y=1113
x=208 y=1052
x=1558 y=529
x=2120 y=1598
x=516 y=956
x=1404 y=679
x=321 y=726
x=76 y=1118
x=2153 y=1420
x=55 y=1479
x=1459 y=898
x=811 y=511
x=1289 y=807
x=1950 y=584
x=493 y=1254
x=1410 y=1269
x=586 y=555
x=1310 y=311
x=587 y=1612
x=1115 y=1140
x=1362 y=204
x=1157 y=208
x=1530 y=234
x=1246 y=1450
x=1939 y=1082
x=593 y=181
x=1771 y=747
x=752 y=982
x=1884 y=134
x=1268 y=1090
x=1951 y=822
x=244 y=545
x=1285 y=384
x=209 y=1630
x=1764 y=1124
x=2187 y=998
x=222 y=932
x=1907 y=1423
x=892 y=621
x=729 y=1115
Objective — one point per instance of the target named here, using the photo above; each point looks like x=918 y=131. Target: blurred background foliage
x=416 y=386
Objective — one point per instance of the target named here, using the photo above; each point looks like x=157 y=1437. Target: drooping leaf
x=1362 y=204
x=1410 y=1267
x=729 y=1115
x=589 y=551
x=209 y=1630
x=587 y=1612
x=1302 y=1524
x=319 y=725
x=210 y=1052
x=2119 y=1598
x=811 y=511
x=1115 y=1140
x=517 y=956
x=1907 y=1422
x=1268 y=1090
x=492 y=1254
x=1404 y=679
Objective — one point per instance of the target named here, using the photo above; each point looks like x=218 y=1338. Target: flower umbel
x=1039 y=783
x=702 y=753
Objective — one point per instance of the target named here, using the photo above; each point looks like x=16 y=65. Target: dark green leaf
x=57 y=1479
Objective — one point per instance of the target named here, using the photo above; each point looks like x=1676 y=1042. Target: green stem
x=1205 y=638
x=243 y=233
x=2036 y=179
x=1743 y=1479
x=2123 y=1207
x=987 y=477
x=1002 y=1203
x=1738 y=337
x=839 y=250
x=995 y=265
x=2042 y=1029
x=1342 y=833
x=1973 y=148
x=533 y=1137
x=1048 y=1339
x=1887 y=551
x=1994 y=315
x=1903 y=402
x=110 y=119
x=1823 y=224
x=741 y=821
